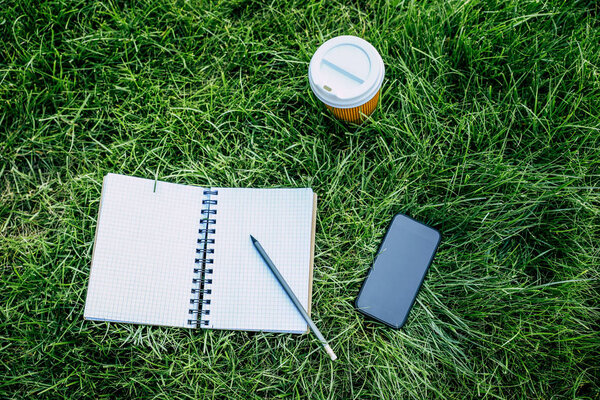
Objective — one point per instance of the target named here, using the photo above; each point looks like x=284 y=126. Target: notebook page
x=143 y=261
x=245 y=293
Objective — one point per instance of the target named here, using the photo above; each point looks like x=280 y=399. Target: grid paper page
x=142 y=267
x=245 y=293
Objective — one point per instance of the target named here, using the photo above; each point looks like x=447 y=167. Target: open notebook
x=177 y=255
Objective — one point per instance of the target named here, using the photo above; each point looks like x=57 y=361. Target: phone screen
x=404 y=256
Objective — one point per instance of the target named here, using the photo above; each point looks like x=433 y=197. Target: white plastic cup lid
x=345 y=72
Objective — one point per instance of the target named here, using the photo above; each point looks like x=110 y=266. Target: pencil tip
x=330 y=352
x=253 y=239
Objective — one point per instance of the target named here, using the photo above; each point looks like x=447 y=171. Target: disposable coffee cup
x=346 y=74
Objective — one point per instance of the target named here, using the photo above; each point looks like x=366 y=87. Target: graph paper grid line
x=246 y=295
x=143 y=262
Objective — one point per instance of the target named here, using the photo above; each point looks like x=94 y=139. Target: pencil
x=293 y=297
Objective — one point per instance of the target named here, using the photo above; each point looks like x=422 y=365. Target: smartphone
x=397 y=273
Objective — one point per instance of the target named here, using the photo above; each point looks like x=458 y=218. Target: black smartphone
x=395 y=278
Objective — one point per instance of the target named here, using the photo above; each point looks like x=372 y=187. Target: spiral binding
x=202 y=280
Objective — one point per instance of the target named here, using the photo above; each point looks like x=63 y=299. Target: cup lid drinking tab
x=345 y=72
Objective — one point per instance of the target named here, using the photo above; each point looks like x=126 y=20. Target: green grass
x=488 y=129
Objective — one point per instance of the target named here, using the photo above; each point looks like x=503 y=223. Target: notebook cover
x=312 y=255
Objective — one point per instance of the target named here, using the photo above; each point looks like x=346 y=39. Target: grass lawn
x=488 y=129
